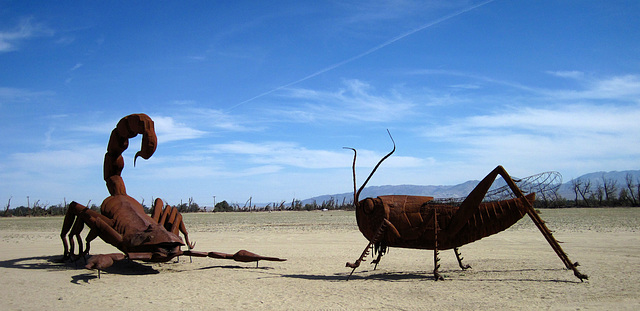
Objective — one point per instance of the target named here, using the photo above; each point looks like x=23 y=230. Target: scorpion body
x=122 y=221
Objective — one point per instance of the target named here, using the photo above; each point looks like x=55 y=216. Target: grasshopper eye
x=368 y=206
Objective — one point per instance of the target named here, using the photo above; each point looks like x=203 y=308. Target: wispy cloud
x=217 y=119
x=53 y=161
x=17 y=95
x=283 y=153
x=369 y=51
x=573 y=74
x=622 y=87
x=168 y=130
x=26 y=29
x=566 y=136
x=475 y=78
x=292 y=155
x=376 y=11
x=356 y=101
x=76 y=67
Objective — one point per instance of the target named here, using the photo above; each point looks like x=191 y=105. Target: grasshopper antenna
x=356 y=194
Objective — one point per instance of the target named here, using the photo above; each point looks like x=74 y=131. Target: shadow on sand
x=55 y=263
x=122 y=267
x=394 y=276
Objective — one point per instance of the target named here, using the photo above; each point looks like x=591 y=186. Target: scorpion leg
x=157 y=210
x=78 y=225
x=72 y=225
x=67 y=224
x=90 y=237
x=459 y=257
x=75 y=219
x=171 y=220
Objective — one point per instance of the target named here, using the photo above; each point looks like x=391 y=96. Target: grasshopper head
x=370 y=213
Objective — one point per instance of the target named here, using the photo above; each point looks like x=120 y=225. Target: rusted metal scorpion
x=123 y=222
x=421 y=223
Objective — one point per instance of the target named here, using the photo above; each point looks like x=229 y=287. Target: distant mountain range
x=463 y=189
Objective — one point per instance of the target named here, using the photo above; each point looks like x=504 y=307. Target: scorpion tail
x=128 y=127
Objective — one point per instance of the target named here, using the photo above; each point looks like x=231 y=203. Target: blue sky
x=257 y=98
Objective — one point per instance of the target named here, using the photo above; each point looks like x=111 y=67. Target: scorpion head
x=155 y=239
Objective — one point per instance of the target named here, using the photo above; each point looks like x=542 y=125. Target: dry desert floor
x=515 y=269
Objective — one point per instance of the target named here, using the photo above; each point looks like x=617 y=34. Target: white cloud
x=281 y=153
x=76 y=66
x=9 y=94
x=574 y=74
x=26 y=29
x=55 y=160
x=354 y=102
x=622 y=87
x=290 y=154
x=565 y=138
x=168 y=130
x=218 y=119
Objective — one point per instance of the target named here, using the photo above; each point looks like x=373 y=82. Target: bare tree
x=610 y=187
x=633 y=195
x=599 y=195
x=584 y=189
x=575 y=185
x=6 y=209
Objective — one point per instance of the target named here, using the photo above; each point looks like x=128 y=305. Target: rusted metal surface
x=122 y=221
x=419 y=222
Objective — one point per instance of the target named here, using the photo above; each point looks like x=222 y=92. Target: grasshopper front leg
x=377 y=237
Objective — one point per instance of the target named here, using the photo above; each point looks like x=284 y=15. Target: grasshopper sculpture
x=122 y=221
x=420 y=222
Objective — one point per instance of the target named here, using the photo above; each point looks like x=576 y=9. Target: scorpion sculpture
x=123 y=222
x=420 y=222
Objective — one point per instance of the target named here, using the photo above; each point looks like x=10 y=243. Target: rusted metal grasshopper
x=420 y=222
x=123 y=222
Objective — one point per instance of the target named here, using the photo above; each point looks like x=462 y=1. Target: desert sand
x=515 y=269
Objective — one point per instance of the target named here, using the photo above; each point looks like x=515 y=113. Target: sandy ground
x=515 y=269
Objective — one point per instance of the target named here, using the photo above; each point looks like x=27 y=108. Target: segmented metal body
x=122 y=221
x=413 y=218
x=420 y=222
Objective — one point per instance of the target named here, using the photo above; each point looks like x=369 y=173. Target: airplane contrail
x=365 y=53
